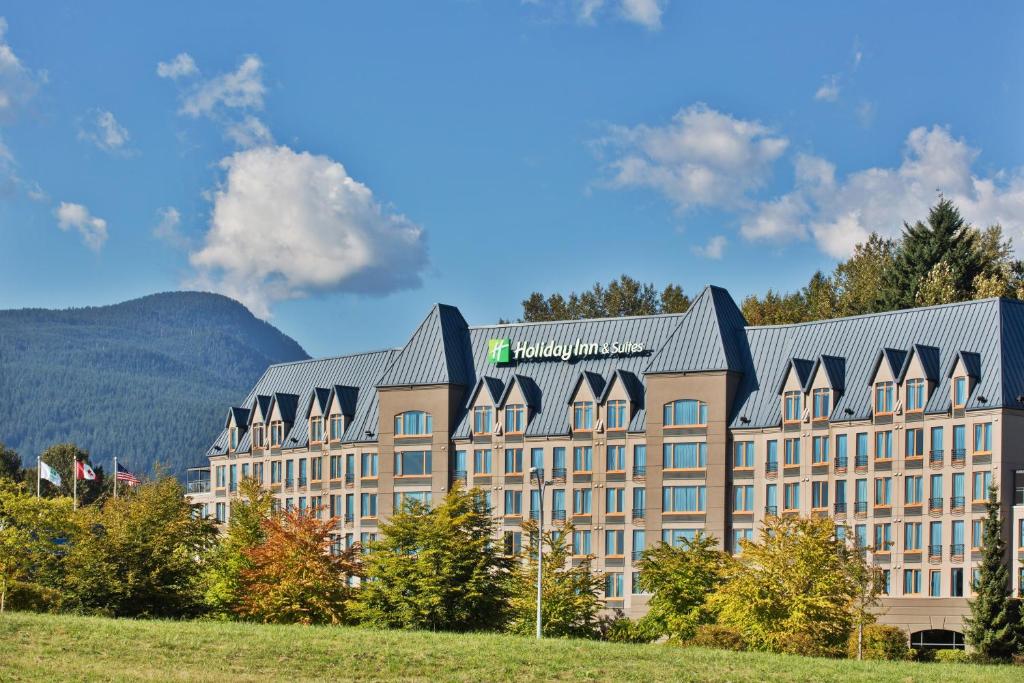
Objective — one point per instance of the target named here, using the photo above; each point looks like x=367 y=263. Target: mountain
x=147 y=380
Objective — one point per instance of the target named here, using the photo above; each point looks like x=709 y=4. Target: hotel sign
x=502 y=351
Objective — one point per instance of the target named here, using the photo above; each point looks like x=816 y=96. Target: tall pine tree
x=993 y=627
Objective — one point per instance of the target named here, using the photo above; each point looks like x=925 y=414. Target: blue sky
x=341 y=166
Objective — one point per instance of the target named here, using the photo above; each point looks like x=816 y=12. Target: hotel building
x=651 y=428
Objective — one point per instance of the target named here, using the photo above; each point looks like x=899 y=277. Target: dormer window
x=233 y=438
x=959 y=392
x=413 y=423
x=515 y=418
x=316 y=430
x=483 y=417
x=257 y=436
x=883 y=398
x=583 y=415
x=915 y=395
x=686 y=413
x=822 y=404
x=791 y=406
x=276 y=433
x=617 y=415
x=336 y=427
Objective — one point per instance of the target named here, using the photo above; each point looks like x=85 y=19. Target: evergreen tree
x=10 y=464
x=993 y=626
x=622 y=297
x=946 y=236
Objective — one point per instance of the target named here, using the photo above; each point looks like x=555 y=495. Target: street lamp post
x=538 y=474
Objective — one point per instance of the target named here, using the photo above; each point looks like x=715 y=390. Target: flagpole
x=39 y=475
x=74 y=487
x=115 y=477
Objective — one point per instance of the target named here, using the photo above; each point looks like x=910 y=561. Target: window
x=915 y=443
x=221 y=512
x=771 y=499
x=581 y=501
x=513 y=461
x=977 y=533
x=369 y=466
x=639 y=543
x=958 y=489
x=336 y=427
x=482 y=461
x=515 y=418
x=335 y=467
x=883 y=537
x=316 y=430
x=368 y=505
x=302 y=472
x=677 y=537
x=883 y=398
x=637 y=589
x=350 y=467
x=276 y=433
x=792 y=452
x=685 y=456
x=639 y=502
x=640 y=459
x=819 y=450
x=791 y=496
x=912 y=536
x=861 y=494
x=936 y=446
x=615 y=500
x=289 y=472
x=685 y=413
x=583 y=416
x=738 y=536
x=257 y=436
x=483 y=417
x=883 y=445
x=233 y=477
x=683 y=498
x=982 y=482
x=514 y=503
x=316 y=469
x=791 y=406
x=862 y=449
x=935 y=583
x=743 y=498
x=614 y=543
x=883 y=492
x=841 y=458
x=275 y=473
x=860 y=536
x=911 y=581
x=959 y=392
x=558 y=504
x=915 y=395
x=583 y=459
x=822 y=404
x=617 y=415
x=819 y=495
x=613 y=585
x=413 y=423
x=367 y=538
x=616 y=458
x=956 y=582
x=233 y=438
x=513 y=541
x=558 y=460
x=459 y=469
x=581 y=542
x=743 y=455
x=913 y=490
x=771 y=455
x=885 y=582
x=983 y=438
x=958 y=537
x=412 y=463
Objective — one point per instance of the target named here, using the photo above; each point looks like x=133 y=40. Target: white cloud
x=180 y=67
x=829 y=90
x=168 y=228
x=586 y=10
x=18 y=84
x=106 y=132
x=287 y=224
x=249 y=132
x=701 y=158
x=714 y=249
x=239 y=89
x=92 y=229
x=647 y=13
x=840 y=212
x=865 y=113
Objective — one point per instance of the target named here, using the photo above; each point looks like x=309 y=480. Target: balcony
x=935 y=505
x=350 y=479
x=349 y=518
x=558 y=515
x=956 y=504
x=639 y=471
x=303 y=481
x=935 y=553
x=289 y=482
x=935 y=458
x=956 y=551
x=638 y=555
x=860 y=507
x=840 y=508
x=771 y=510
x=199 y=486
x=841 y=463
x=639 y=513
x=534 y=514
x=861 y=463
x=460 y=475
x=771 y=467
x=558 y=473
x=958 y=456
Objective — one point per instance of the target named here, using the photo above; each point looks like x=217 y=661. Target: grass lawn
x=41 y=647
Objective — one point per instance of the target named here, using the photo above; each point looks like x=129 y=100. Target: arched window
x=686 y=413
x=413 y=423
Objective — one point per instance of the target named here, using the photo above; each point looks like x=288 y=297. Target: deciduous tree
x=10 y=464
x=621 y=297
x=32 y=531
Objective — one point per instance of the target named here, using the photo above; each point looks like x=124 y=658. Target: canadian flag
x=83 y=471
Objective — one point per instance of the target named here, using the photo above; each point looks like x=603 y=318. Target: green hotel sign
x=502 y=351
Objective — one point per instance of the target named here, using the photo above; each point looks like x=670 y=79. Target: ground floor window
x=937 y=639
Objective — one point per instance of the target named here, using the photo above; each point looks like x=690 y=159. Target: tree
x=294 y=577
x=673 y=300
x=31 y=532
x=793 y=591
x=775 y=308
x=139 y=555
x=858 y=281
x=622 y=297
x=223 y=572
x=437 y=569
x=10 y=464
x=61 y=457
x=680 y=580
x=992 y=627
x=570 y=593
x=939 y=286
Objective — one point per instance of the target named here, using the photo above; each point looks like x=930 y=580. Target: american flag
x=126 y=476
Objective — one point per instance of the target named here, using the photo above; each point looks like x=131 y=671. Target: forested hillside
x=147 y=380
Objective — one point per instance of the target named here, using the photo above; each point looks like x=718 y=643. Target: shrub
x=881 y=642
x=718 y=637
x=921 y=654
x=625 y=630
x=805 y=644
x=948 y=656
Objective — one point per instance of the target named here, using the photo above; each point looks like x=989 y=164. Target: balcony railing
x=771 y=467
x=639 y=470
x=934 y=552
x=956 y=550
x=349 y=518
x=638 y=555
x=956 y=504
x=841 y=462
x=935 y=457
x=199 y=487
x=638 y=513
x=860 y=507
x=771 y=510
x=289 y=482
x=534 y=514
x=840 y=508
x=958 y=456
x=303 y=481
x=350 y=478
x=461 y=475
x=558 y=473
x=558 y=515
x=935 y=505
x=861 y=462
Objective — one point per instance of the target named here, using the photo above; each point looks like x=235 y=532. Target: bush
x=625 y=630
x=32 y=597
x=804 y=644
x=719 y=637
x=881 y=642
x=921 y=654
x=948 y=656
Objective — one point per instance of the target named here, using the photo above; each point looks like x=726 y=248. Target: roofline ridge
x=970 y=302
x=339 y=357
x=579 y=320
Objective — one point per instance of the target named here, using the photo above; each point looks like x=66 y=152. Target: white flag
x=48 y=473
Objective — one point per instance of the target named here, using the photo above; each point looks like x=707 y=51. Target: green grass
x=41 y=647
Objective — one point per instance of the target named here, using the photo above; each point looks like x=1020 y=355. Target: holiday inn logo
x=498 y=351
